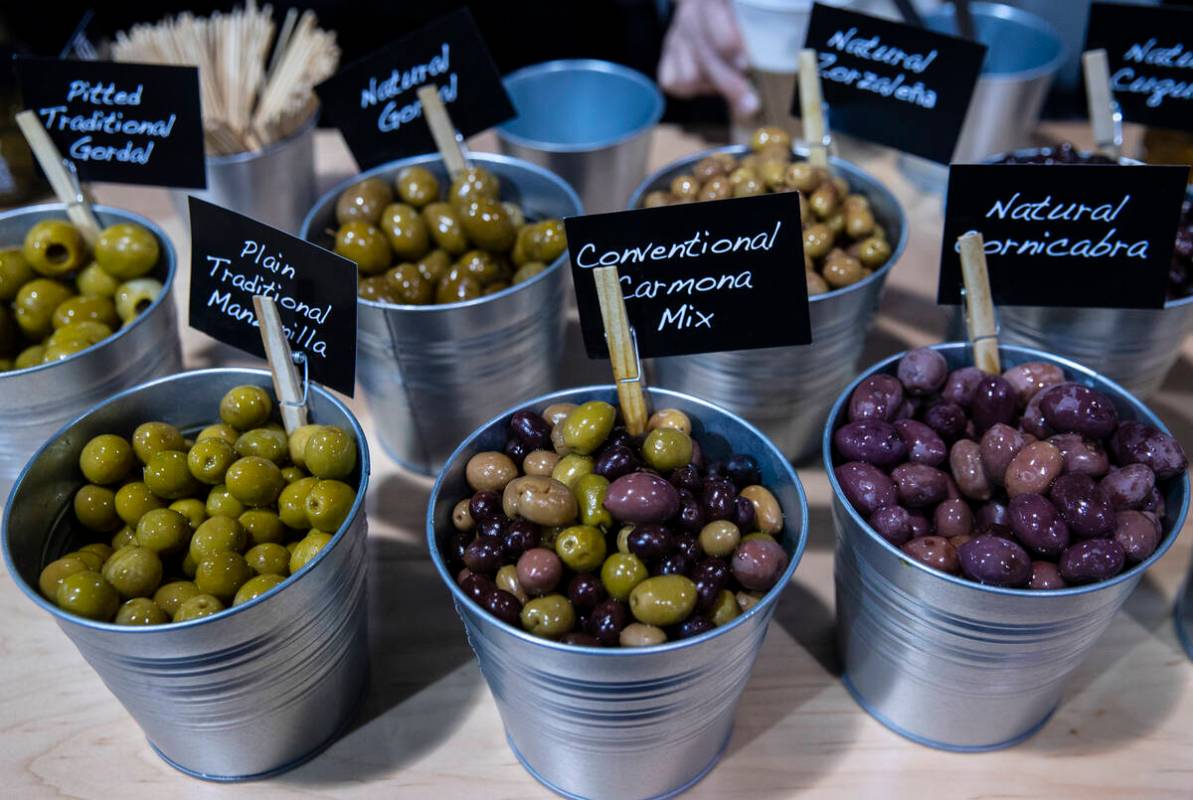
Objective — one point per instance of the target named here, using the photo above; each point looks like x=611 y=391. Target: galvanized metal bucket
x=954 y=664
x=431 y=374
x=625 y=723
x=37 y=401
x=787 y=391
x=1183 y=616
x=249 y=692
x=588 y=121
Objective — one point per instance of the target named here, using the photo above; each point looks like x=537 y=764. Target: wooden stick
x=811 y=102
x=1100 y=100
x=979 y=305
x=627 y=369
x=286 y=382
x=964 y=19
x=66 y=186
x=442 y=129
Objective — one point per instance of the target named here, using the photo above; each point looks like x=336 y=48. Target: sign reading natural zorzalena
x=1076 y=235
x=374 y=100
x=698 y=277
x=119 y=122
x=894 y=84
x=234 y=258
x=1150 y=49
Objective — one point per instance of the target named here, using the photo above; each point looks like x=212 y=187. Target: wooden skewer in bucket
x=63 y=180
x=442 y=130
x=1104 y=116
x=811 y=103
x=623 y=351
x=290 y=389
x=979 y=305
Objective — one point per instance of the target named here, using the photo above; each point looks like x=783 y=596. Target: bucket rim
x=328 y=198
x=1017 y=16
x=228 y=159
x=763 y=606
x=357 y=510
x=872 y=183
x=168 y=252
x=593 y=65
x=1073 y=369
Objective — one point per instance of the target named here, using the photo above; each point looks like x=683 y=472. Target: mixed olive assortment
x=197 y=526
x=1024 y=479
x=58 y=296
x=580 y=532
x=419 y=249
x=842 y=241
x=1180 y=274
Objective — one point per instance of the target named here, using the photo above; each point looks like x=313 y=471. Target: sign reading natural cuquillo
x=374 y=101
x=894 y=84
x=1076 y=235
x=119 y=122
x=234 y=258
x=698 y=277
x=1150 y=49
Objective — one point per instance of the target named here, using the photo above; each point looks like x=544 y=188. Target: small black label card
x=1150 y=49
x=124 y=123
x=1080 y=235
x=698 y=277
x=894 y=84
x=234 y=258
x=374 y=100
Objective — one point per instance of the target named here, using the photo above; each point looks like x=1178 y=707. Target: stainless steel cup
x=249 y=692
x=624 y=723
x=37 y=401
x=274 y=185
x=786 y=391
x=431 y=374
x=954 y=664
x=587 y=121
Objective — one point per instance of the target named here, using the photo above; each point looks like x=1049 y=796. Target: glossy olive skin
x=328 y=505
x=56 y=571
x=201 y=605
x=1038 y=525
x=443 y=224
x=246 y=407
x=923 y=444
x=54 y=248
x=330 y=452
x=642 y=497
x=106 y=459
x=549 y=616
x=1091 y=560
x=866 y=487
x=222 y=574
x=995 y=561
x=85 y=309
x=663 y=600
x=409 y=286
x=170 y=596
x=209 y=459
x=1138 y=443
x=417 y=186
x=874 y=441
x=581 y=548
x=127 y=250
x=254 y=481
x=168 y=475
x=588 y=426
x=163 y=531
x=217 y=534
x=87 y=594
x=268 y=443
x=95 y=508
x=1073 y=408
x=307 y=549
x=876 y=397
x=15 y=272
x=35 y=304
x=134 y=571
x=141 y=611
x=487 y=224
x=365 y=244
x=406 y=231
x=363 y=202
x=759 y=563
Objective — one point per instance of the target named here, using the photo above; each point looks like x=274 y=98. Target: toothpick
x=66 y=185
x=1102 y=108
x=811 y=102
x=286 y=382
x=623 y=355
x=442 y=129
x=979 y=305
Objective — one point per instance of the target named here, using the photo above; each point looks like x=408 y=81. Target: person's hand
x=703 y=53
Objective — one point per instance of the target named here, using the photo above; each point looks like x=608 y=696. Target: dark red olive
x=742 y=469
x=516 y=449
x=484 y=504
x=961 y=384
x=893 y=523
x=650 y=541
x=531 y=429
x=1092 y=560
x=606 y=621
x=994 y=401
x=615 y=461
x=947 y=419
x=585 y=591
x=874 y=441
x=1137 y=443
x=995 y=561
x=876 y=397
x=1083 y=505
x=1045 y=575
x=935 y=551
x=866 y=487
x=505 y=607
x=483 y=555
x=711 y=576
x=477 y=587
x=1038 y=525
x=692 y=626
x=924 y=445
x=492 y=527
x=520 y=535
x=687 y=477
x=1073 y=408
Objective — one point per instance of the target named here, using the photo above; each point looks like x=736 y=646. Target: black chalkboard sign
x=374 y=101
x=234 y=258
x=698 y=277
x=1150 y=49
x=1084 y=235
x=894 y=84
x=124 y=123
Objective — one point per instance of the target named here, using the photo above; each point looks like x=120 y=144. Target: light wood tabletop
x=429 y=726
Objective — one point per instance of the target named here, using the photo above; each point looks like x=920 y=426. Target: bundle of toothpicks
x=250 y=97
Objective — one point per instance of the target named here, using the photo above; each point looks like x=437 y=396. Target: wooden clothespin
x=442 y=130
x=811 y=103
x=1104 y=115
x=291 y=391
x=62 y=176
x=979 y=305
x=623 y=350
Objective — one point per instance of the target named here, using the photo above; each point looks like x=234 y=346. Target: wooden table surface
x=430 y=728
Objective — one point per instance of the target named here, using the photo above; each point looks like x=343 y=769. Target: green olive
x=636 y=634
x=221 y=503
x=485 y=267
x=29 y=357
x=292 y=503
x=84 y=332
x=151 y=438
x=590 y=491
x=141 y=611
x=266 y=443
x=549 y=616
x=124 y=537
x=90 y=309
x=307 y=549
x=220 y=430
x=365 y=244
x=663 y=600
x=222 y=574
x=409 y=286
x=581 y=548
x=56 y=571
x=134 y=571
x=406 y=231
x=725 y=609
x=758 y=535
x=35 y=304
x=543 y=242
x=434 y=265
x=719 y=538
x=11 y=341
x=135 y=296
x=54 y=247
x=15 y=272
x=571 y=468
x=168 y=476
x=254 y=481
x=528 y=271
x=507 y=579
x=443 y=223
x=93 y=281
x=172 y=595
x=201 y=605
x=95 y=508
x=194 y=509
x=262 y=525
x=330 y=452
x=61 y=350
x=328 y=504
x=134 y=500
x=666 y=449
x=92 y=560
x=98 y=548
x=256 y=586
x=473 y=183
x=586 y=428
x=457 y=287
x=417 y=186
x=376 y=289
x=126 y=250
x=217 y=535
x=768 y=515
x=621 y=572
x=818 y=240
x=106 y=459
x=89 y=595
x=292 y=474
x=362 y=202
x=163 y=531
x=269 y=558
x=487 y=224
x=298 y=442
x=246 y=407
x=873 y=252
x=209 y=459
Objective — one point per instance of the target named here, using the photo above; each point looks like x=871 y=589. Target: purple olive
x=516 y=449
x=719 y=498
x=919 y=485
x=866 y=487
x=711 y=576
x=484 y=504
x=1092 y=560
x=459 y=543
x=994 y=401
x=995 y=561
x=492 y=527
x=691 y=515
x=1083 y=506
x=953 y=518
x=923 y=445
x=504 y=606
x=1129 y=486
x=1156 y=505
x=759 y=563
x=935 y=551
x=579 y=639
x=1030 y=377
x=1045 y=575
x=531 y=429
x=692 y=626
x=483 y=555
x=615 y=461
x=893 y=523
x=742 y=469
x=1138 y=535
x=871 y=440
x=606 y=621
x=907 y=409
x=876 y=397
x=477 y=587
x=919 y=523
x=1081 y=454
x=999 y=445
x=992 y=513
x=539 y=571
x=961 y=384
x=1033 y=420
x=649 y=542
x=585 y=591
x=520 y=535
x=1137 y=443
x=673 y=564
x=687 y=477
x=1038 y=525
x=947 y=419
x=922 y=371
x=1073 y=408
x=642 y=497
x=689 y=546
x=744 y=515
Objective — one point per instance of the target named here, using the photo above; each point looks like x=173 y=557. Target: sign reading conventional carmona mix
x=234 y=258
x=1077 y=235
x=374 y=101
x=699 y=277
